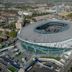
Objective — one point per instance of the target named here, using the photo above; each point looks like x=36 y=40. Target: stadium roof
x=28 y=33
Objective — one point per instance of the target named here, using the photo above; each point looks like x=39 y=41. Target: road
x=10 y=47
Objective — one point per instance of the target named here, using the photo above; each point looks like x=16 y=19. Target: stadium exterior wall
x=38 y=48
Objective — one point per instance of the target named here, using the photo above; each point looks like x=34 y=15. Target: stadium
x=48 y=37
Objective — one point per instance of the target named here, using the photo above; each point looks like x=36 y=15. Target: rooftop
x=28 y=33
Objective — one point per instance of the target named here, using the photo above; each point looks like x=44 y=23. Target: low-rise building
x=26 y=13
x=19 y=23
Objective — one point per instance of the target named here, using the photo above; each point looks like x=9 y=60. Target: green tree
x=12 y=34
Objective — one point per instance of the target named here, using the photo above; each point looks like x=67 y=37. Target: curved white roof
x=28 y=33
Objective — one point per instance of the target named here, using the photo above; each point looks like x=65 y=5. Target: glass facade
x=54 y=31
x=37 y=49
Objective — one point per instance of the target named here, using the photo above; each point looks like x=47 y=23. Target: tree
x=13 y=34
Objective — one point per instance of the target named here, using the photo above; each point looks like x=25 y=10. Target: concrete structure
x=21 y=70
x=26 y=13
x=61 y=8
x=53 y=41
x=19 y=23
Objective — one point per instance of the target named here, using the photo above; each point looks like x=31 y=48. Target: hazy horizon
x=35 y=1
